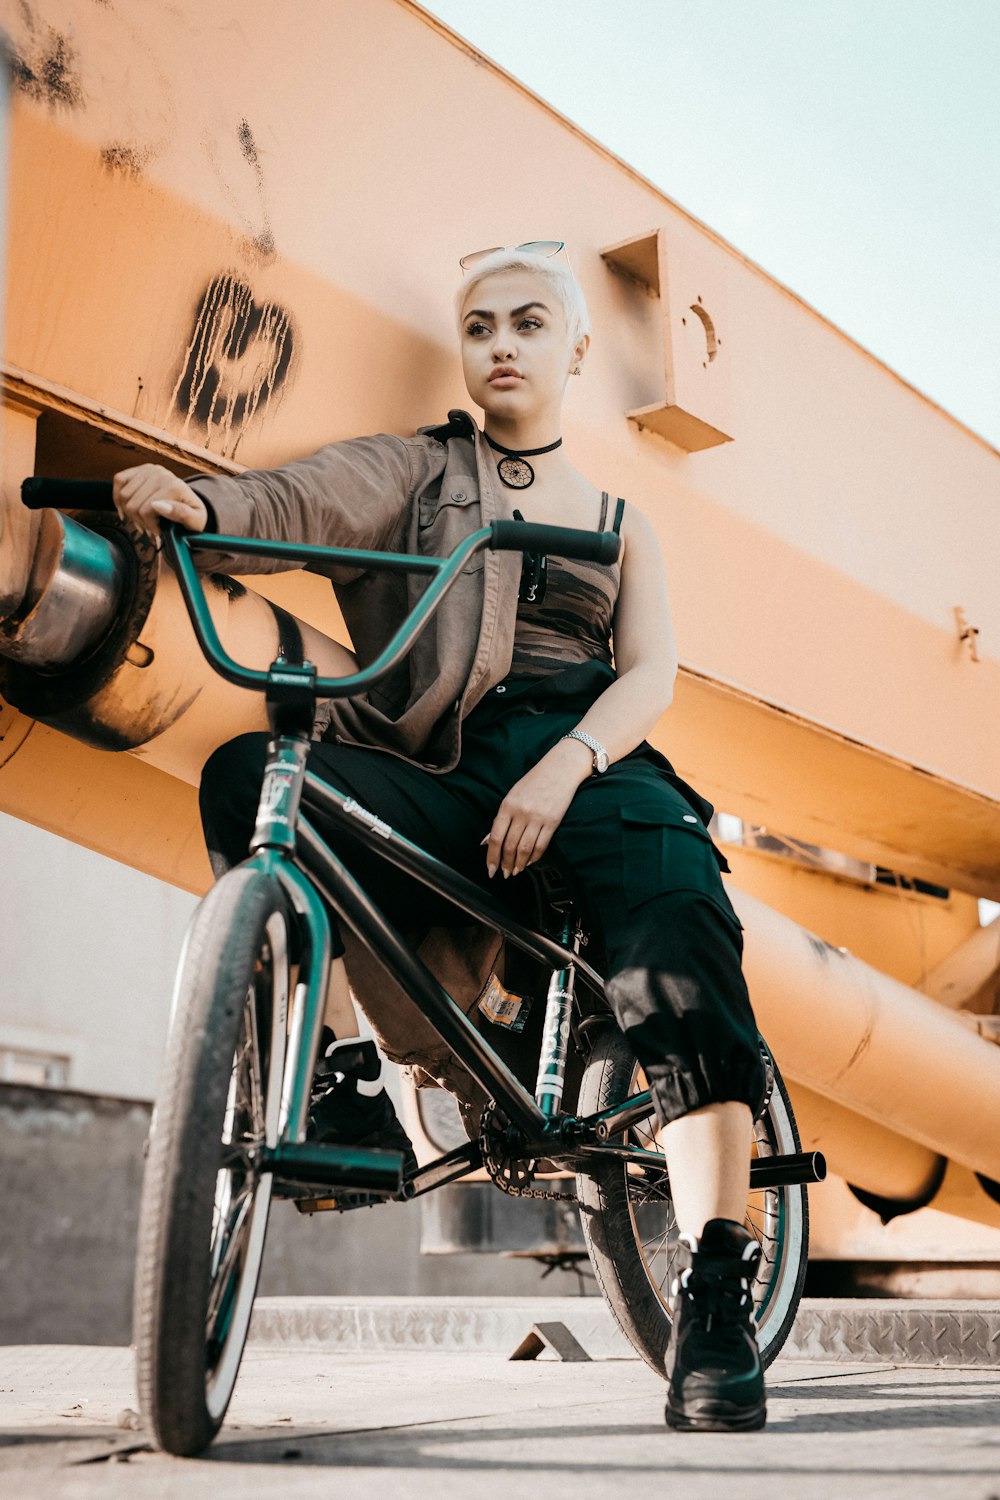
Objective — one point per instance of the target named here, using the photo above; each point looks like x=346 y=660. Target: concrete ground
x=312 y=1422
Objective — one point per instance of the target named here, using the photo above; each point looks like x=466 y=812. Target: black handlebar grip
x=561 y=541
x=72 y=494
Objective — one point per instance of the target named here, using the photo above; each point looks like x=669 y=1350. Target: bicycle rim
x=243 y=1194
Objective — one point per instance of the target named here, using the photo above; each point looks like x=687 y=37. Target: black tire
x=631 y=1233
x=202 y=1223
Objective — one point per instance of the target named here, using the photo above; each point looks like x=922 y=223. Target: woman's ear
x=579 y=351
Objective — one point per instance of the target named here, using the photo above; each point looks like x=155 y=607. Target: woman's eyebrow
x=515 y=312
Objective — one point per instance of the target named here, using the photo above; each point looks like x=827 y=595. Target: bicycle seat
x=549 y=888
x=546 y=899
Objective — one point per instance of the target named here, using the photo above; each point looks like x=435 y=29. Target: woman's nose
x=503 y=349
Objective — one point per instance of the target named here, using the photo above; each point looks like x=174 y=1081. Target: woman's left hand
x=534 y=807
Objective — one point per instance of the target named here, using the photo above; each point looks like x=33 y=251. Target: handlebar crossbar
x=180 y=544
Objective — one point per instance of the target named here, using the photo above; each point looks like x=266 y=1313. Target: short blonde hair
x=553 y=268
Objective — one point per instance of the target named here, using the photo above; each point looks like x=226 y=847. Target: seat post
x=556 y=1031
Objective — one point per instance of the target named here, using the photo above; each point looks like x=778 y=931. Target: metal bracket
x=968 y=634
x=291 y=696
x=554 y=1336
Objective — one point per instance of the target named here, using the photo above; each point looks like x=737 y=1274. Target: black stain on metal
x=248 y=145
x=821 y=948
x=129 y=161
x=892 y=1208
x=290 y=643
x=864 y=1042
x=46 y=71
x=237 y=357
x=263 y=241
x=229 y=586
x=289 y=636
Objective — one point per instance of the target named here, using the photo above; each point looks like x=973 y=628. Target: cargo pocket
x=665 y=849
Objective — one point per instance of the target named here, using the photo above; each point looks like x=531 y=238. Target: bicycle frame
x=286 y=844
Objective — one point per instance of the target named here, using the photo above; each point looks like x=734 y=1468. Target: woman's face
x=516 y=355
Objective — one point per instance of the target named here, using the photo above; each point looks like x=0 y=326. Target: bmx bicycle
x=229 y=1127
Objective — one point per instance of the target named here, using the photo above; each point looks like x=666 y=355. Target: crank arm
x=458 y=1163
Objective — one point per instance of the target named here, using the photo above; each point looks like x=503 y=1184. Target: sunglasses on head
x=533 y=247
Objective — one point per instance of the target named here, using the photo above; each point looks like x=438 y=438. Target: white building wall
x=88 y=949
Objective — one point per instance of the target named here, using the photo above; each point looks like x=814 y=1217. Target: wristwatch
x=601 y=761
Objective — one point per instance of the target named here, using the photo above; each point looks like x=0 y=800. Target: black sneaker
x=716 y=1377
x=347 y=1109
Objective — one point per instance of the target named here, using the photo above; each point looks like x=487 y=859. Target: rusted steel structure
x=235 y=239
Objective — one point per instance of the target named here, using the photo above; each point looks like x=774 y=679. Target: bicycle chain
x=500 y=1167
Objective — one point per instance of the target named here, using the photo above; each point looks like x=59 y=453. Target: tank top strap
x=619 y=512
x=604 y=510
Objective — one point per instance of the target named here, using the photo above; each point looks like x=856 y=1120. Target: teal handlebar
x=514 y=536
x=180 y=544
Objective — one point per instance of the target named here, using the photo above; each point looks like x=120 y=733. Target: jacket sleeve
x=348 y=494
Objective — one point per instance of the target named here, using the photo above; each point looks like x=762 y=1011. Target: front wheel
x=203 y=1215
x=630 y=1229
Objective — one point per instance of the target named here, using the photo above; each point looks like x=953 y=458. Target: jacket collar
x=494 y=500
x=459 y=424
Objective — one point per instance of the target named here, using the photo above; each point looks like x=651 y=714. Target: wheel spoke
x=253 y=1041
x=221 y=1279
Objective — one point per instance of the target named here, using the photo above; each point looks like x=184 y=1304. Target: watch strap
x=587 y=739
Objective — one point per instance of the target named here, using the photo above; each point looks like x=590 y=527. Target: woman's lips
x=504 y=378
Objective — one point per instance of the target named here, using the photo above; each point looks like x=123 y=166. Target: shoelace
x=715 y=1294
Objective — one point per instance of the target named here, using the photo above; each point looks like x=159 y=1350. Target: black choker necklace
x=514 y=470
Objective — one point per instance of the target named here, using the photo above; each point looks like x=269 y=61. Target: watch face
x=601 y=762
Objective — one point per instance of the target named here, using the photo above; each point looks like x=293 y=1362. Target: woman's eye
x=475 y=329
x=530 y=323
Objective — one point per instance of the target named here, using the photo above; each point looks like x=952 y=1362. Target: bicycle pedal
x=352 y=1059
x=341 y=1204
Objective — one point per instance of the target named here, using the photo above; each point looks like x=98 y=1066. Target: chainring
x=498 y=1145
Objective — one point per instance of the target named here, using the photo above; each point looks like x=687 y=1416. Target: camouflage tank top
x=565 y=608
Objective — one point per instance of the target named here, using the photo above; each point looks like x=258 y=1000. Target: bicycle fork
x=556 y=1031
x=273 y=846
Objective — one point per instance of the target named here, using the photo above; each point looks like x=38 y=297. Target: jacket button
x=459 y=496
x=690 y=818
x=501 y=688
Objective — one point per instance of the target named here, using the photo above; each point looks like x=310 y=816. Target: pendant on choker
x=516 y=473
x=514 y=470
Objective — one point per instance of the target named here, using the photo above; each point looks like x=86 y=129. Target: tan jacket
x=422 y=494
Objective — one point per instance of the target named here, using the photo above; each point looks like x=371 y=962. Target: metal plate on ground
x=916 y=1333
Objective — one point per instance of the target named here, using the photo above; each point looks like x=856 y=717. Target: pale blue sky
x=850 y=147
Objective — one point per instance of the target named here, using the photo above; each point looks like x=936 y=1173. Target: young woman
x=513 y=732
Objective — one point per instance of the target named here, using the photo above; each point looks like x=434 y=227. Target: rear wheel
x=203 y=1216
x=630 y=1229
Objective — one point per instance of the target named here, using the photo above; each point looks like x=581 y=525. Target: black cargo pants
x=632 y=847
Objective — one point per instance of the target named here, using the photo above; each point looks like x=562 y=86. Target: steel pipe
x=872 y=1044
x=869 y=1156
x=74 y=590
x=969 y=978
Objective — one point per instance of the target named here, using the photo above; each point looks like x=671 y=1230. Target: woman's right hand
x=149 y=491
